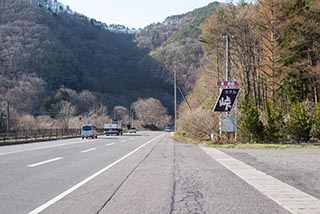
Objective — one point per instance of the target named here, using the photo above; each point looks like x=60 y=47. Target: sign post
x=226 y=100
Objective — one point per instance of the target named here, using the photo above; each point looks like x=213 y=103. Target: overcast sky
x=133 y=13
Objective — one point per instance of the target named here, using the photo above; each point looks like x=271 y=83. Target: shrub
x=250 y=126
x=316 y=131
x=274 y=124
x=198 y=124
x=300 y=123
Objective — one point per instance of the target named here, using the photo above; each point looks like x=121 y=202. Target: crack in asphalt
x=187 y=197
x=128 y=176
x=172 y=205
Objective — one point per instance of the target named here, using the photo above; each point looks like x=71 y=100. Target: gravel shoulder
x=297 y=167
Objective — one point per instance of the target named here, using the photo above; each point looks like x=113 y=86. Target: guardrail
x=16 y=136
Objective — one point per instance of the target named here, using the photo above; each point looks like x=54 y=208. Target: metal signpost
x=228 y=96
x=226 y=100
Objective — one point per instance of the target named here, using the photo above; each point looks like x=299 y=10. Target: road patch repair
x=288 y=197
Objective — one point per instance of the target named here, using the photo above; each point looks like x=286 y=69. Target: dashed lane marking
x=88 y=150
x=45 y=162
x=75 y=187
x=39 y=148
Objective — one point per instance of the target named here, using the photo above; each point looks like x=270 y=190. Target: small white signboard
x=228 y=123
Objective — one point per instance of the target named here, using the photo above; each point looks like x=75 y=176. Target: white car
x=88 y=130
x=168 y=129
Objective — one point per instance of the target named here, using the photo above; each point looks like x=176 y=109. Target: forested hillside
x=40 y=52
x=275 y=57
x=175 y=43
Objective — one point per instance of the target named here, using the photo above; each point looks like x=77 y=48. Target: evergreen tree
x=274 y=124
x=250 y=125
x=316 y=132
x=300 y=123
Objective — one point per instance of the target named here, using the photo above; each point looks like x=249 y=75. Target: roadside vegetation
x=275 y=58
x=68 y=109
x=43 y=54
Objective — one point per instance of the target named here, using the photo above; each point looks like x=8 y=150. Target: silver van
x=88 y=130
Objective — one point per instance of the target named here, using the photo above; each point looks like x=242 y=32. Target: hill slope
x=175 y=43
x=41 y=52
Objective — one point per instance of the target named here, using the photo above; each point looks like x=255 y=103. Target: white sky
x=133 y=13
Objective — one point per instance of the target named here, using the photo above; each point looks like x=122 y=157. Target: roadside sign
x=228 y=123
x=227 y=83
x=226 y=99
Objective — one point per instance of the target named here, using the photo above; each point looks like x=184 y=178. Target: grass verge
x=248 y=145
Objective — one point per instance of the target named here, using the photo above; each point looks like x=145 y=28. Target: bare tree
x=97 y=115
x=67 y=110
x=121 y=113
x=150 y=111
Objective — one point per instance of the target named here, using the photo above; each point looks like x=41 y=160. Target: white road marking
x=45 y=162
x=287 y=196
x=109 y=144
x=45 y=147
x=88 y=150
x=67 y=192
x=131 y=138
x=122 y=141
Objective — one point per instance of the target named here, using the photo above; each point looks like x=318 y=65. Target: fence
x=13 y=136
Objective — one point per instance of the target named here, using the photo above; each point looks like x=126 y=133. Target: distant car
x=88 y=130
x=168 y=129
x=132 y=130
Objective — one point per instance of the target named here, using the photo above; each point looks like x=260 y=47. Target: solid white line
x=109 y=144
x=88 y=150
x=287 y=196
x=45 y=162
x=67 y=192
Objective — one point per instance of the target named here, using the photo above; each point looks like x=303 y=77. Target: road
x=145 y=172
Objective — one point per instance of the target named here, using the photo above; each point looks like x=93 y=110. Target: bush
x=250 y=126
x=274 y=124
x=300 y=123
x=198 y=124
x=316 y=131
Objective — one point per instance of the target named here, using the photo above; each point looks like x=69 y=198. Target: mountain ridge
x=62 y=49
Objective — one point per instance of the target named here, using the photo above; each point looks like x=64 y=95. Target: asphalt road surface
x=297 y=167
x=145 y=172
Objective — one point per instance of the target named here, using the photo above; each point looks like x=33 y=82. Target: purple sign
x=227 y=83
x=226 y=99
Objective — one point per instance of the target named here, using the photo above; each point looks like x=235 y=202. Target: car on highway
x=88 y=131
x=132 y=130
x=168 y=129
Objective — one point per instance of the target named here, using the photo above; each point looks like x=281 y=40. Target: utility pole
x=175 y=99
x=227 y=37
x=8 y=117
x=132 y=114
x=228 y=41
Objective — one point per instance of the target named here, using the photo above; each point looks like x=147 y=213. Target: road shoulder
x=285 y=195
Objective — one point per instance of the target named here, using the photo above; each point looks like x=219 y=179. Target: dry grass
x=248 y=145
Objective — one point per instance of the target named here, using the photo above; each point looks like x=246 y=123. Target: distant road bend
x=145 y=172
